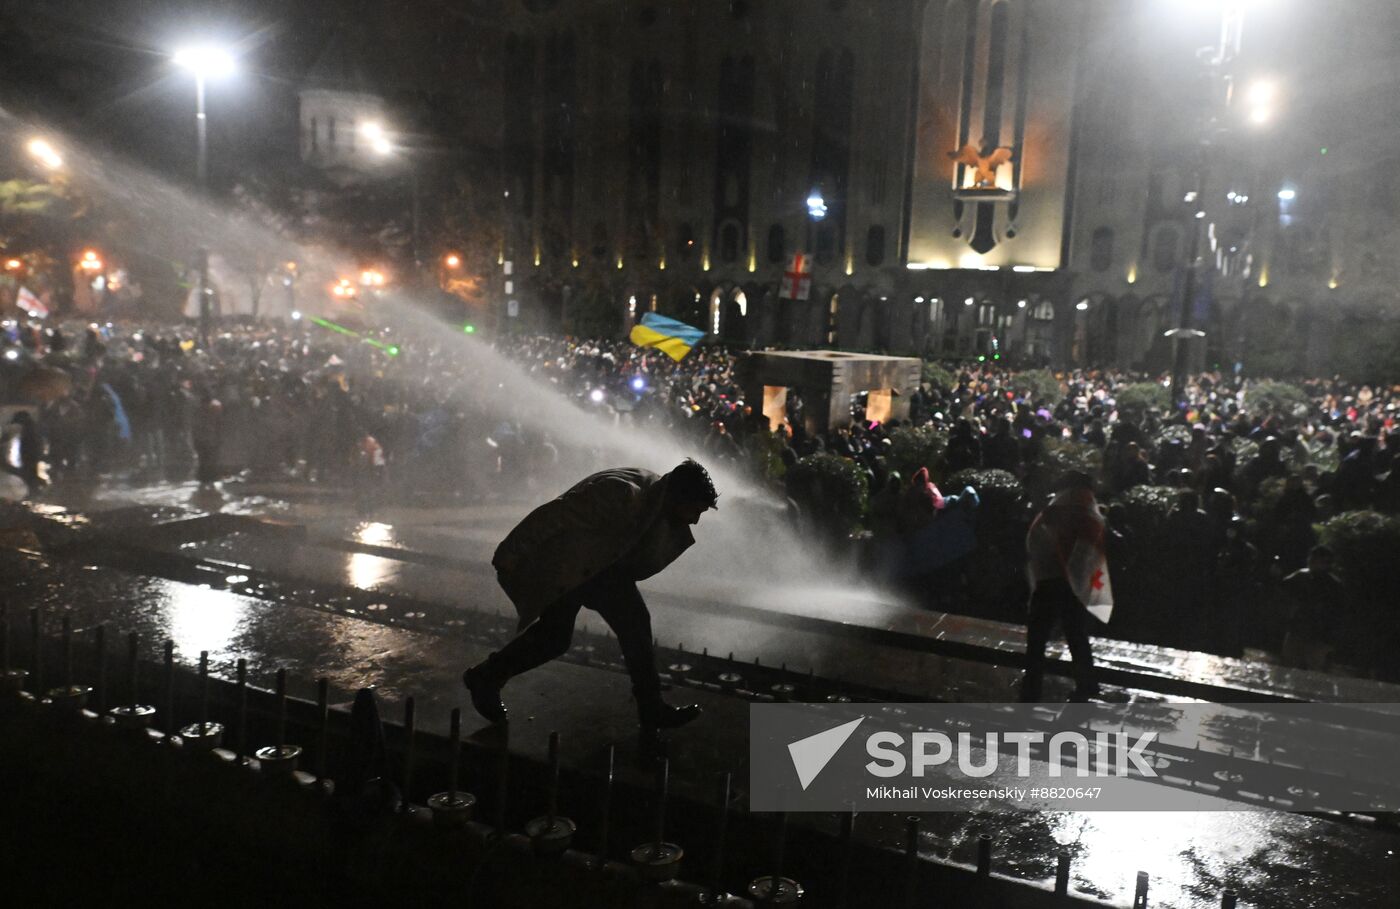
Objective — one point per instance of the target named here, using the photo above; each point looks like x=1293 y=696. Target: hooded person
x=1068 y=572
x=920 y=502
x=589 y=547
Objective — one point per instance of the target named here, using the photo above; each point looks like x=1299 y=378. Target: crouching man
x=590 y=547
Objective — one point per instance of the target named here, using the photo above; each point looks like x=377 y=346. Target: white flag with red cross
x=32 y=305
x=1087 y=570
x=797 y=280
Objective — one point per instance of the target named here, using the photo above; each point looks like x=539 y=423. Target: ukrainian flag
x=672 y=337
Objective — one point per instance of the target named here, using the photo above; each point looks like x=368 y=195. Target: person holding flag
x=1068 y=571
x=32 y=305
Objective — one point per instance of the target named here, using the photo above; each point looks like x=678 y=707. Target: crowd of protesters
x=1241 y=477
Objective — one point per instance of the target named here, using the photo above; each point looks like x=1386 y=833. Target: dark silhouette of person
x=1067 y=567
x=590 y=547
x=31 y=451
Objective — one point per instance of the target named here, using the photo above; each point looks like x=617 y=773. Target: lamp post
x=1217 y=60
x=205 y=61
x=383 y=146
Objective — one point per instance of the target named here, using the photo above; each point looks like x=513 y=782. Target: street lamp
x=378 y=140
x=42 y=150
x=206 y=61
x=383 y=146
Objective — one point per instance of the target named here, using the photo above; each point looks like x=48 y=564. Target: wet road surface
x=414 y=643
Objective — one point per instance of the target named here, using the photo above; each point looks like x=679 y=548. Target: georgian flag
x=1087 y=570
x=1068 y=537
x=32 y=305
x=797 y=280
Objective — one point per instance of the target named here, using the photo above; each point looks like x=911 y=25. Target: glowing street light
x=1261 y=93
x=42 y=150
x=206 y=61
x=452 y=260
x=13 y=264
x=372 y=277
x=91 y=262
x=382 y=145
x=1287 y=194
x=378 y=139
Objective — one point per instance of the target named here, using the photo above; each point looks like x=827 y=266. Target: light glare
x=206 y=60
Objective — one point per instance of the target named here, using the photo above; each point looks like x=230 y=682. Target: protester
x=1315 y=603
x=297 y=401
x=1068 y=572
x=590 y=547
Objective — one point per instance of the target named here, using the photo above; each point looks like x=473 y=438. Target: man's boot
x=486 y=693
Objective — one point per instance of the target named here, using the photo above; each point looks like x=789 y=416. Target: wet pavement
x=390 y=601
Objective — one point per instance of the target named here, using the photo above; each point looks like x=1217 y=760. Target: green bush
x=1364 y=544
x=1174 y=432
x=938 y=376
x=913 y=447
x=1142 y=397
x=1245 y=450
x=832 y=490
x=1278 y=398
x=1147 y=507
x=1002 y=512
x=765 y=454
x=1326 y=457
x=1059 y=456
x=1040 y=386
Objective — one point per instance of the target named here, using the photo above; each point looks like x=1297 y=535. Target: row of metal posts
x=550 y=834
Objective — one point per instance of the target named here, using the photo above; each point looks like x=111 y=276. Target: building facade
x=1025 y=179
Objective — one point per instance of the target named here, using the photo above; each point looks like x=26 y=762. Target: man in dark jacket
x=590 y=547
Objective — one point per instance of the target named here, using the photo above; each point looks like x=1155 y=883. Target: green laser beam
x=390 y=349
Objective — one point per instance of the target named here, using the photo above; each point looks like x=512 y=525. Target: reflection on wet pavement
x=412 y=646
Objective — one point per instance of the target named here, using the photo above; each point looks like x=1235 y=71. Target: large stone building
x=1024 y=178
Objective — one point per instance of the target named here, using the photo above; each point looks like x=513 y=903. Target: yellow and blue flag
x=667 y=335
